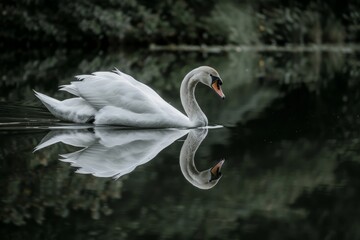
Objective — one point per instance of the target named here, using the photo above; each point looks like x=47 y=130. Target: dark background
x=110 y=23
x=291 y=135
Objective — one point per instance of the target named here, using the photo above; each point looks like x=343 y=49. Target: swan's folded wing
x=100 y=93
x=146 y=89
x=117 y=98
x=125 y=78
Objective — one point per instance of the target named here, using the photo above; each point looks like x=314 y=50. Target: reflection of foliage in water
x=36 y=183
x=326 y=123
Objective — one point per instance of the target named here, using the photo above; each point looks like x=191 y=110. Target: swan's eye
x=214 y=79
x=217 y=80
x=216 y=83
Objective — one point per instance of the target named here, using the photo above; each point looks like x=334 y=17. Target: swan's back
x=119 y=99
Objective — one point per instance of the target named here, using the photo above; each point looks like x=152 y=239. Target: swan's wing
x=146 y=89
x=100 y=93
x=117 y=75
x=70 y=89
x=113 y=89
x=73 y=109
x=120 y=99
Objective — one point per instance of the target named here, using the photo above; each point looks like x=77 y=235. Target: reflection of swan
x=117 y=98
x=114 y=153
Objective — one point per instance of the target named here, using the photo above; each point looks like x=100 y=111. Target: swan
x=117 y=152
x=116 y=98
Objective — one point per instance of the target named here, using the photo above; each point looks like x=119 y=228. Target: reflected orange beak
x=216 y=170
x=217 y=88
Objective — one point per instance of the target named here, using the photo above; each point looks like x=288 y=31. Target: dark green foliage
x=98 y=22
x=111 y=23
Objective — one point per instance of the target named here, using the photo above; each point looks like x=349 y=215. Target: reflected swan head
x=209 y=77
x=208 y=178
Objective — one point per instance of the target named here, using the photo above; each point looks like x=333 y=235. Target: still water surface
x=290 y=140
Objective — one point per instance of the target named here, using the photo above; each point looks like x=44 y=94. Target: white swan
x=116 y=98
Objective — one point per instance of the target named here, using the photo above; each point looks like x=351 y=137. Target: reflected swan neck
x=187 y=156
x=188 y=100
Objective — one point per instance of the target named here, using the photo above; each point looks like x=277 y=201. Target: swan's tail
x=50 y=103
x=72 y=109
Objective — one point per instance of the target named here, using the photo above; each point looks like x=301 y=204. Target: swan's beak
x=217 y=88
x=216 y=170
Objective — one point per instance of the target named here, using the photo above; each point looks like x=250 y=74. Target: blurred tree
x=111 y=23
x=102 y=22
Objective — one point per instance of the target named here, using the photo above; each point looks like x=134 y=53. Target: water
x=290 y=140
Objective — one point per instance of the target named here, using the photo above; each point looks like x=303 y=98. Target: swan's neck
x=187 y=154
x=191 y=107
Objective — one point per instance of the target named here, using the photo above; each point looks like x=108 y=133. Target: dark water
x=290 y=142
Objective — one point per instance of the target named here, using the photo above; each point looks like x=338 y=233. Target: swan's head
x=210 y=77
x=208 y=178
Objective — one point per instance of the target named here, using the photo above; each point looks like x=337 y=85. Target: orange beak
x=217 y=88
x=216 y=170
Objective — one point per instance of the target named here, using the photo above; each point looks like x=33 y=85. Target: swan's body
x=116 y=98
